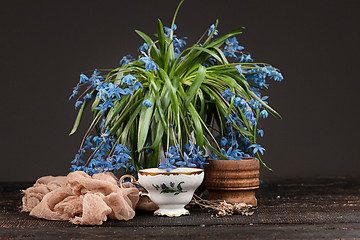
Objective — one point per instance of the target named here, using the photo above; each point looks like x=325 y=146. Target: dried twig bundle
x=223 y=208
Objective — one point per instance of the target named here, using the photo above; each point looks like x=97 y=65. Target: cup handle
x=132 y=180
x=144 y=194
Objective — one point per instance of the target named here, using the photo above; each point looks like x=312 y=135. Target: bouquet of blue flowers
x=173 y=106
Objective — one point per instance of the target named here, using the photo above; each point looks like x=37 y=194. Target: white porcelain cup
x=171 y=191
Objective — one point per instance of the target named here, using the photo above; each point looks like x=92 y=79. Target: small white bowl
x=171 y=191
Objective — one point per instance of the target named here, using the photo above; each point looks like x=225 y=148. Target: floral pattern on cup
x=171 y=188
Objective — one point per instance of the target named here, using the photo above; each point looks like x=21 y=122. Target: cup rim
x=177 y=171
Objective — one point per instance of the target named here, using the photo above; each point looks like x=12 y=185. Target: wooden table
x=327 y=208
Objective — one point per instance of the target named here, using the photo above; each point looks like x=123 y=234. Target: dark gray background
x=46 y=44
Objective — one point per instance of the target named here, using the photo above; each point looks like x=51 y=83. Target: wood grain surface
x=296 y=208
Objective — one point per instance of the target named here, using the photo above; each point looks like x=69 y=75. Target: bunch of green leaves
x=186 y=99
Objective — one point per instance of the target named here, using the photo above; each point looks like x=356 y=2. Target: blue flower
x=237 y=101
x=169 y=164
x=126 y=59
x=228 y=153
x=231 y=46
x=233 y=120
x=274 y=74
x=278 y=76
x=260 y=132
x=147 y=103
x=227 y=94
x=105 y=134
x=259 y=75
x=212 y=29
x=255 y=104
x=96 y=76
x=104 y=106
x=149 y=64
x=172 y=184
x=74 y=93
x=240 y=102
x=264 y=114
x=102 y=94
x=193 y=157
x=244 y=58
x=97 y=140
x=88 y=143
x=121 y=148
x=171 y=156
x=235 y=144
x=264 y=98
x=239 y=69
x=114 y=90
x=168 y=31
x=125 y=91
x=178 y=43
x=223 y=142
x=188 y=162
x=213 y=156
x=78 y=104
x=83 y=78
x=257 y=148
x=101 y=161
x=212 y=60
x=128 y=79
x=249 y=115
x=147 y=148
x=88 y=97
x=136 y=86
x=230 y=43
x=143 y=48
x=233 y=153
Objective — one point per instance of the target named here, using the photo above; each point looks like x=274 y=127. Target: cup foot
x=171 y=212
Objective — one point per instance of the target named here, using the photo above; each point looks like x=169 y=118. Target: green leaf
x=126 y=129
x=161 y=37
x=95 y=103
x=199 y=134
x=262 y=163
x=222 y=56
x=202 y=103
x=78 y=119
x=170 y=55
x=158 y=136
x=175 y=14
x=179 y=186
x=144 y=122
x=211 y=53
x=227 y=81
x=118 y=77
x=173 y=96
x=195 y=86
x=192 y=59
x=120 y=121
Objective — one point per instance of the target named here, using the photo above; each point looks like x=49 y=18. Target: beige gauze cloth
x=80 y=198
